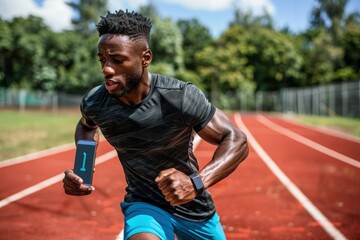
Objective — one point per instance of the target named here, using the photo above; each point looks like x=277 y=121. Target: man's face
x=122 y=63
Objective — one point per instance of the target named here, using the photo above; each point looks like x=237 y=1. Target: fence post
x=55 y=102
x=344 y=96
x=22 y=100
x=259 y=101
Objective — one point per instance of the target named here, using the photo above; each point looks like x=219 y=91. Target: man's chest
x=152 y=124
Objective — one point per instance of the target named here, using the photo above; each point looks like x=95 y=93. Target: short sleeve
x=85 y=120
x=197 y=110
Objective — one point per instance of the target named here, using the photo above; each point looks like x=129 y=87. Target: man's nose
x=108 y=70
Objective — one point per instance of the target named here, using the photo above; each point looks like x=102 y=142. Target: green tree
x=25 y=62
x=87 y=14
x=75 y=58
x=195 y=37
x=334 y=42
x=5 y=49
x=166 y=45
x=224 y=64
x=331 y=15
x=150 y=11
x=351 y=43
x=247 y=19
x=272 y=57
x=321 y=57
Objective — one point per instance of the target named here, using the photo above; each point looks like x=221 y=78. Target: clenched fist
x=176 y=186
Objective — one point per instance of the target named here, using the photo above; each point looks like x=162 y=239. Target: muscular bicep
x=217 y=129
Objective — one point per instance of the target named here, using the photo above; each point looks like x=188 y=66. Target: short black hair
x=132 y=24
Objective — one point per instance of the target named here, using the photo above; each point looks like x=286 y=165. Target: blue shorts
x=142 y=217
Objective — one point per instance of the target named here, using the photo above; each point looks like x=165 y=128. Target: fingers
x=73 y=185
x=71 y=176
x=164 y=174
x=176 y=187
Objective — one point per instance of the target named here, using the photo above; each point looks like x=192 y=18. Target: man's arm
x=73 y=183
x=232 y=149
x=85 y=132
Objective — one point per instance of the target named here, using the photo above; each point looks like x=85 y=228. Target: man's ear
x=147 y=57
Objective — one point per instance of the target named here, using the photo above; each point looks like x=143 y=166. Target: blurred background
x=299 y=57
x=247 y=55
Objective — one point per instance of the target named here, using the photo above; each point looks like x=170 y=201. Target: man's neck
x=138 y=94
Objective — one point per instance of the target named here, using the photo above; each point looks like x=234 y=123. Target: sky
x=214 y=14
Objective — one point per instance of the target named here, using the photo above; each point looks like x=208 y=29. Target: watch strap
x=197 y=182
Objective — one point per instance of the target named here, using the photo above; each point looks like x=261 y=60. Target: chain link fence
x=342 y=99
x=23 y=99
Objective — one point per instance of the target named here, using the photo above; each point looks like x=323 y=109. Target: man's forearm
x=230 y=153
x=85 y=133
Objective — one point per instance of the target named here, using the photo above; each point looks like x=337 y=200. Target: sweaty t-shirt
x=152 y=136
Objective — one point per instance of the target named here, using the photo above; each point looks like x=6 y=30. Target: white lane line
x=196 y=142
x=120 y=236
x=40 y=154
x=48 y=182
x=308 y=142
x=33 y=156
x=293 y=189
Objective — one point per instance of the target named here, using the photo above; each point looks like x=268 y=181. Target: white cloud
x=55 y=13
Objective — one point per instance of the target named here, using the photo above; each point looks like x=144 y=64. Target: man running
x=151 y=121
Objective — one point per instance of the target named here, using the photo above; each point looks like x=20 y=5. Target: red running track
x=253 y=202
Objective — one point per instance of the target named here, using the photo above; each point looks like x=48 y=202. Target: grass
x=30 y=131
x=347 y=125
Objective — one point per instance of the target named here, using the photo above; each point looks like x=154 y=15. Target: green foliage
x=38 y=58
x=162 y=68
x=87 y=12
x=247 y=57
x=351 y=44
x=166 y=43
x=195 y=38
x=322 y=57
x=277 y=61
x=250 y=55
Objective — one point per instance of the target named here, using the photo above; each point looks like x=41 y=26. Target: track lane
x=50 y=213
x=23 y=175
x=332 y=185
x=347 y=146
x=252 y=203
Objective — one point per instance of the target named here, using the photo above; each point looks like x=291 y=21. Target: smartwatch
x=197 y=182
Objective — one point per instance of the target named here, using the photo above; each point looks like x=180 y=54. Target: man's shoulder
x=168 y=83
x=95 y=92
x=94 y=99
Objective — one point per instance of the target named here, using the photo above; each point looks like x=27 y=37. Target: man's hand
x=73 y=185
x=176 y=186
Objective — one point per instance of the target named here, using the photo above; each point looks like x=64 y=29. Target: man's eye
x=118 y=61
x=101 y=61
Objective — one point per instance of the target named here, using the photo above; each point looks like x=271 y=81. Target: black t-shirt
x=154 y=135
